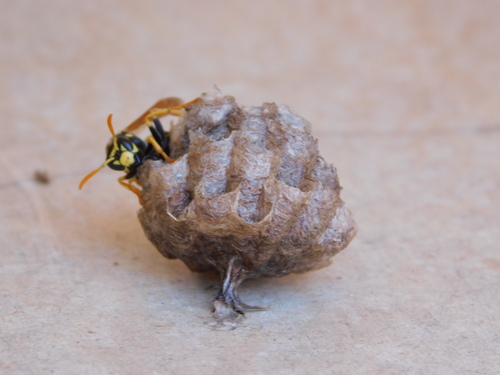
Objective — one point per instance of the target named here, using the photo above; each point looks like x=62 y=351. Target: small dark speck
x=116 y=264
x=212 y=287
x=42 y=177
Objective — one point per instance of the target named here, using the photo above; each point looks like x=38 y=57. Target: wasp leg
x=160 y=112
x=163 y=107
x=162 y=103
x=128 y=185
x=158 y=148
x=160 y=135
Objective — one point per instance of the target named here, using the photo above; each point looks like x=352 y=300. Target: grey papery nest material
x=249 y=196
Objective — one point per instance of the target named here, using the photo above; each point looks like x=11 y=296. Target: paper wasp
x=126 y=152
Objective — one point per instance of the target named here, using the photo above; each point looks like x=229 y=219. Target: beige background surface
x=404 y=98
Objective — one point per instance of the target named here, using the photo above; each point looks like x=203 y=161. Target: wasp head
x=124 y=152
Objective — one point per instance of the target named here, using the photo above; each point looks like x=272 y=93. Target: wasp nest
x=249 y=196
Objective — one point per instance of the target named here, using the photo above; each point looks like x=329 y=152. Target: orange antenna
x=87 y=177
x=110 y=124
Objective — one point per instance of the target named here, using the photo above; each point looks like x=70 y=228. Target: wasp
x=126 y=151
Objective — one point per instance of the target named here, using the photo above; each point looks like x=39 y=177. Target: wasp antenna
x=110 y=124
x=88 y=177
